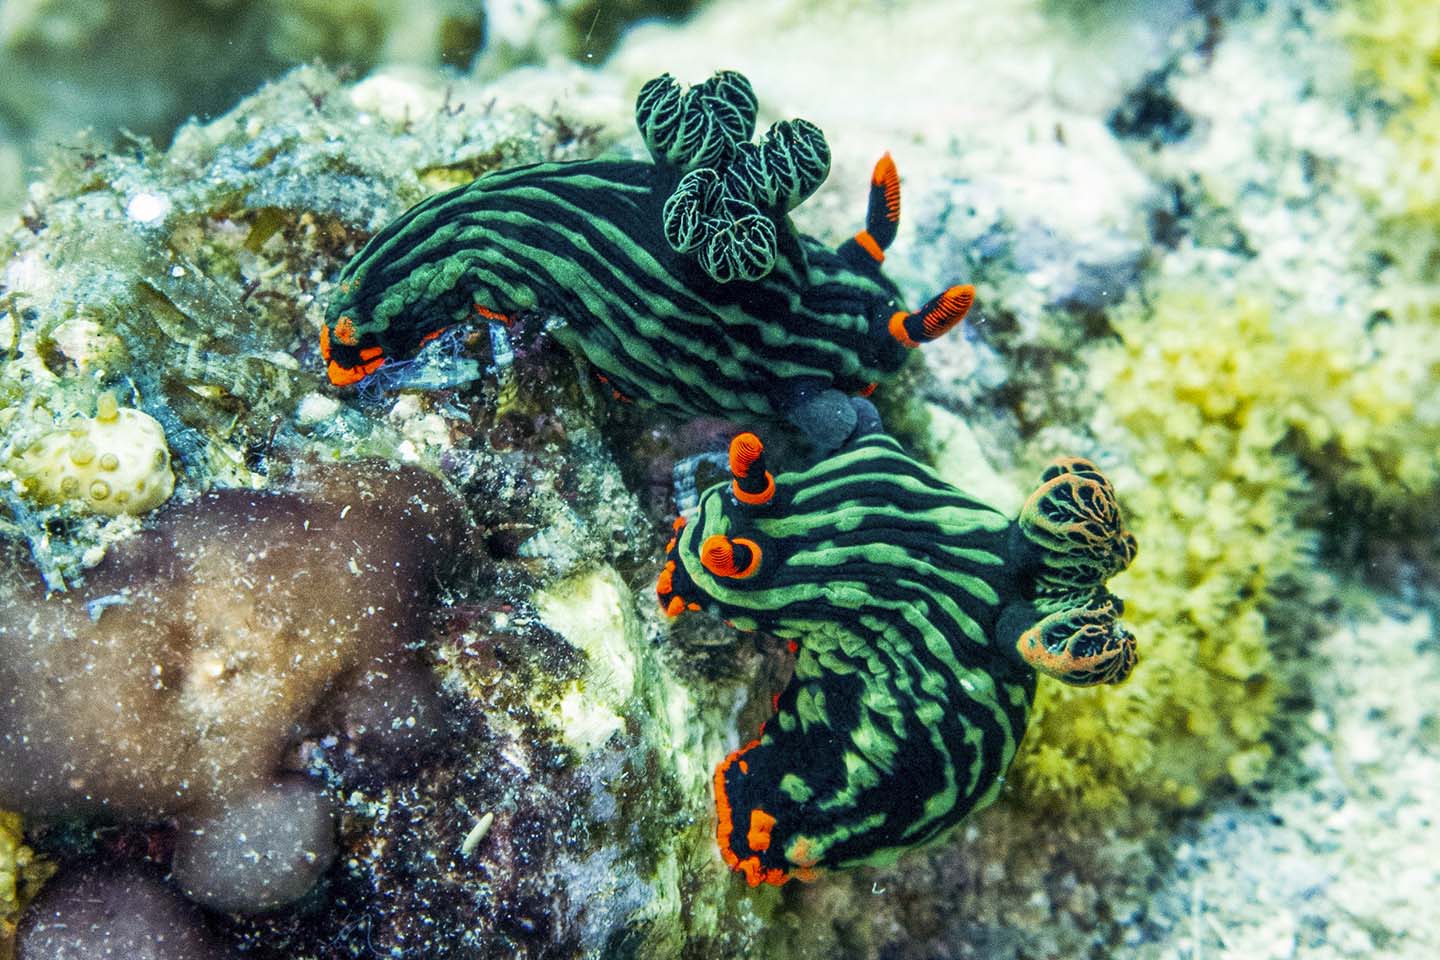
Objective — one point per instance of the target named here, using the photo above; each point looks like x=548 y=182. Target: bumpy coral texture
x=1396 y=47
x=115 y=462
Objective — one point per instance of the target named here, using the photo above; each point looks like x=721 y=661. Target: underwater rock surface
x=507 y=751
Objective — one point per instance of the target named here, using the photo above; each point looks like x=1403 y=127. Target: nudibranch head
x=399 y=292
x=918 y=616
x=720 y=550
x=366 y=327
x=347 y=359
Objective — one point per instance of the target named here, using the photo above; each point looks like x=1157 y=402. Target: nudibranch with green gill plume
x=918 y=617
x=681 y=280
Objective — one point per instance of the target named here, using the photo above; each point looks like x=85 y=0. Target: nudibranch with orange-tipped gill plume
x=681 y=280
x=919 y=617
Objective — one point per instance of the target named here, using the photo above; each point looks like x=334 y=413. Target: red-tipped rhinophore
x=736 y=559
x=935 y=319
x=753 y=484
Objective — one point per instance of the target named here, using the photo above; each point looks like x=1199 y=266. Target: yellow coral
x=21 y=874
x=1201 y=395
x=1201 y=406
x=1396 y=47
x=1397 y=42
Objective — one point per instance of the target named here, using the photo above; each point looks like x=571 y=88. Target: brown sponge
x=113 y=914
x=176 y=679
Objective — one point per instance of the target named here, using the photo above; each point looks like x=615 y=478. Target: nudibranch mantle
x=682 y=281
x=919 y=617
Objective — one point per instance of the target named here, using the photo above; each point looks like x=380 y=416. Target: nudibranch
x=682 y=281
x=919 y=618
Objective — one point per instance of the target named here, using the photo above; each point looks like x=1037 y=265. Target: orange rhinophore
x=868 y=244
x=937 y=318
x=753 y=484
x=887 y=178
x=882 y=216
x=737 y=559
x=899 y=331
x=942 y=316
x=745 y=450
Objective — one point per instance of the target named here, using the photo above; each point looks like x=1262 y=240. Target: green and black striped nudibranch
x=919 y=617
x=681 y=280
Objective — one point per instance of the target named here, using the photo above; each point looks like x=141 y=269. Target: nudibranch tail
x=746 y=833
